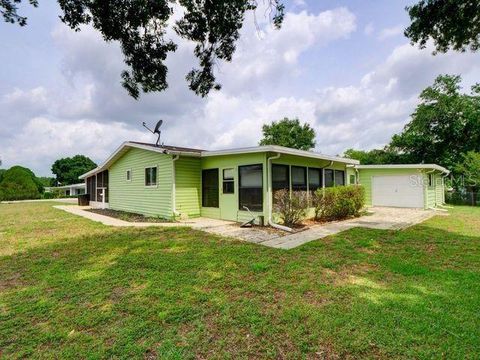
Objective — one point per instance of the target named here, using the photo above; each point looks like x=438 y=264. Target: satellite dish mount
x=156 y=131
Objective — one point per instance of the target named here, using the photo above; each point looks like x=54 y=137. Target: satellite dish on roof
x=156 y=131
x=157 y=127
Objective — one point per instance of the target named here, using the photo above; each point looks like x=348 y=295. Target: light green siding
x=365 y=178
x=439 y=190
x=435 y=193
x=134 y=196
x=292 y=160
x=228 y=203
x=188 y=186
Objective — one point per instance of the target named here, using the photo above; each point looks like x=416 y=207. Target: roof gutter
x=270 y=196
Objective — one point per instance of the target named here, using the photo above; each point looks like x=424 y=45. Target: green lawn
x=70 y=287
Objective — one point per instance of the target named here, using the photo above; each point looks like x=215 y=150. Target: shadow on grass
x=181 y=293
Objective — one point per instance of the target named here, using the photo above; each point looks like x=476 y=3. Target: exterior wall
x=228 y=203
x=430 y=193
x=134 y=196
x=440 y=189
x=365 y=179
x=309 y=162
x=188 y=191
x=350 y=172
x=436 y=193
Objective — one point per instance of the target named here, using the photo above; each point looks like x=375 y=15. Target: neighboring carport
x=405 y=185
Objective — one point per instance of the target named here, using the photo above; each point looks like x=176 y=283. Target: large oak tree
x=444 y=126
x=140 y=28
x=289 y=133
x=67 y=170
x=451 y=24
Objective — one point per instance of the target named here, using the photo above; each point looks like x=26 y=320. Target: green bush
x=290 y=207
x=19 y=183
x=48 y=195
x=338 y=203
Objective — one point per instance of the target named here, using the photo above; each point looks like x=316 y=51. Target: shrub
x=338 y=203
x=290 y=207
x=48 y=195
x=19 y=183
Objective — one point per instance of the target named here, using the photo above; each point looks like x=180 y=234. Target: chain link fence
x=462 y=198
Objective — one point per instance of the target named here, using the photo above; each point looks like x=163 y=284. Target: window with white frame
x=151 y=176
x=128 y=175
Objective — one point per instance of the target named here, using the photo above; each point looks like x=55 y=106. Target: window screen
x=339 y=177
x=280 y=177
x=210 y=188
x=228 y=181
x=151 y=176
x=329 y=182
x=299 y=178
x=314 y=179
x=251 y=187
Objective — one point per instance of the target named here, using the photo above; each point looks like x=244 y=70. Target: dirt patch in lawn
x=128 y=216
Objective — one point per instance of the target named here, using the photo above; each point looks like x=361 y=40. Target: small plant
x=338 y=203
x=290 y=207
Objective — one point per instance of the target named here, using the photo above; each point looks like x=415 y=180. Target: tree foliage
x=289 y=133
x=376 y=156
x=140 y=28
x=19 y=183
x=470 y=169
x=46 y=181
x=444 y=126
x=452 y=24
x=67 y=170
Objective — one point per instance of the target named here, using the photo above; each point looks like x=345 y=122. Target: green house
x=176 y=182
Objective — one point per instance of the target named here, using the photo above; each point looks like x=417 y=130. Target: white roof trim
x=281 y=150
x=79 y=185
x=405 y=166
x=126 y=146
x=256 y=149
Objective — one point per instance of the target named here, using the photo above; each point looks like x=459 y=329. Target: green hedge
x=19 y=183
x=338 y=203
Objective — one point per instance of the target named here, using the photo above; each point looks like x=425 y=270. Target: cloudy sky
x=342 y=66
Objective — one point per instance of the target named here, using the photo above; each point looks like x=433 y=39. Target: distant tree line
x=20 y=183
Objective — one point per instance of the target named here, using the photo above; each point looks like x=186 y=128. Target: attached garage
x=398 y=191
x=409 y=186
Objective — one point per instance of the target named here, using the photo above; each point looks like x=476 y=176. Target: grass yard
x=72 y=288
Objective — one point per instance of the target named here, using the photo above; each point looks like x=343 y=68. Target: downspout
x=270 y=196
x=357 y=175
x=443 y=184
x=174 y=205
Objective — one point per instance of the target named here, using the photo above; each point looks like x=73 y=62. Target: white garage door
x=397 y=191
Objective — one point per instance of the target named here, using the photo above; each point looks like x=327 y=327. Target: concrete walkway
x=379 y=218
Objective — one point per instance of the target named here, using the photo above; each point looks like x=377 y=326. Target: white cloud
x=59 y=121
x=41 y=141
x=390 y=32
x=369 y=29
x=264 y=54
